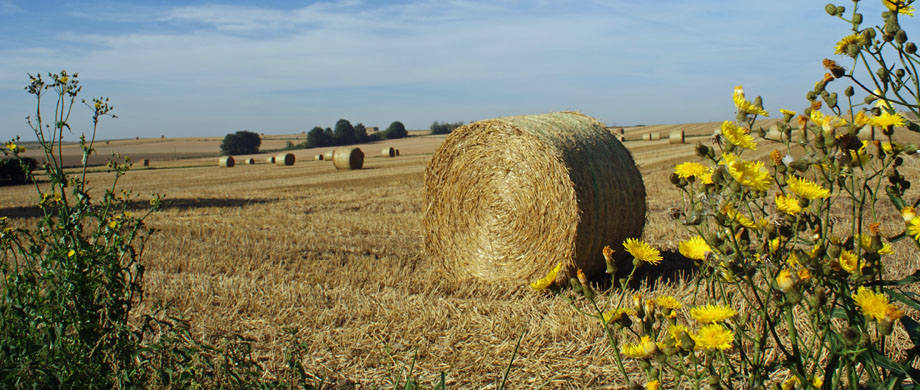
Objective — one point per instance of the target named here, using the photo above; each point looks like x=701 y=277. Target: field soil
x=337 y=257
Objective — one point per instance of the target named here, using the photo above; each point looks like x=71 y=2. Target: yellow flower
x=71 y=252
x=695 y=248
x=786 y=112
x=855 y=39
x=652 y=385
x=831 y=122
x=714 y=336
x=774 y=244
x=887 y=120
x=641 y=350
x=861 y=119
x=668 y=302
x=908 y=213
x=744 y=105
x=749 y=173
x=64 y=79
x=817 y=381
x=710 y=314
x=849 y=261
x=642 y=251
x=675 y=331
x=872 y=304
x=803 y=274
x=707 y=177
x=616 y=314
x=691 y=169
x=738 y=136
x=730 y=212
x=547 y=280
x=11 y=146
x=790 y=383
x=788 y=204
x=899 y=6
x=860 y=156
x=784 y=280
x=806 y=189
x=913 y=228
x=865 y=241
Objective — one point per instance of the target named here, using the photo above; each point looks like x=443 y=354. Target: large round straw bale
x=867 y=133
x=318 y=157
x=388 y=152
x=676 y=137
x=270 y=160
x=226 y=162
x=508 y=198
x=348 y=158
x=284 y=159
x=328 y=156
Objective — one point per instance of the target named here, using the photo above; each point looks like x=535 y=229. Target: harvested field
x=337 y=256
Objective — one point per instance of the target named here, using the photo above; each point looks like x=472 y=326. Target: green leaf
x=910 y=279
x=908 y=298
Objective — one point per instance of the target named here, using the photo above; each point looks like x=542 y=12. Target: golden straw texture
x=284 y=159
x=508 y=198
x=226 y=162
x=270 y=160
x=676 y=137
x=388 y=152
x=328 y=156
x=348 y=158
x=654 y=136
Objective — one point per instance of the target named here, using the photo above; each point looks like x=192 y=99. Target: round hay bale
x=388 y=152
x=284 y=159
x=318 y=157
x=249 y=161
x=270 y=160
x=622 y=131
x=226 y=162
x=146 y=162
x=348 y=158
x=676 y=137
x=397 y=152
x=867 y=133
x=654 y=136
x=328 y=156
x=508 y=198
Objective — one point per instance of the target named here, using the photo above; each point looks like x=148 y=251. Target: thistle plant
x=794 y=287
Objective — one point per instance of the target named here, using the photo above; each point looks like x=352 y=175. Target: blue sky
x=190 y=68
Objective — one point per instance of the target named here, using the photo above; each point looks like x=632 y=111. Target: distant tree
x=330 y=136
x=316 y=138
x=14 y=172
x=241 y=142
x=444 y=128
x=344 y=133
x=361 y=132
x=396 y=130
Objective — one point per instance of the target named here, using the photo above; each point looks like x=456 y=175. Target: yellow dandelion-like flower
x=913 y=228
x=11 y=146
x=738 y=136
x=711 y=314
x=749 y=173
x=831 y=122
x=806 y=189
x=787 y=112
x=641 y=350
x=71 y=252
x=691 y=169
x=849 y=262
x=113 y=224
x=744 y=105
x=908 y=213
x=861 y=119
x=668 y=302
x=774 y=244
x=695 y=248
x=886 y=120
x=865 y=241
x=616 y=314
x=859 y=155
x=713 y=337
x=871 y=304
x=790 y=383
x=653 y=385
x=788 y=204
x=854 y=39
x=64 y=79
x=642 y=251
x=784 y=280
x=817 y=381
x=674 y=331
x=893 y=313
x=803 y=274
x=899 y=6
x=706 y=178
x=730 y=212
x=547 y=280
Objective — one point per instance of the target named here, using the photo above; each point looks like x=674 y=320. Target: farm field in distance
x=338 y=256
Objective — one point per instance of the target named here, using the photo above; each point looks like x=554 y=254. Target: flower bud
x=884 y=327
x=882 y=74
x=857 y=19
x=811 y=96
x=830 y=9
x=869 y=34
x=900 y=37
x=701 y=150
x=848 y=92
x=910 y=48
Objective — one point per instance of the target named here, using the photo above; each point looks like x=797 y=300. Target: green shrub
x=396 y=130
x=16 y=171
x=241 y=142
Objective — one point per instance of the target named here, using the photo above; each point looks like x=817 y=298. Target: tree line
x=247 y=142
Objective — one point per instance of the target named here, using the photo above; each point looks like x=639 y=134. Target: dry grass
x=337 y=255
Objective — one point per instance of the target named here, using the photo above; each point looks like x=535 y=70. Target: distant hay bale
x=653 y=136
x=284 y=159
x=622 y=131
x=226 y=162
x=270 y=160
x=249 y=161
x=397 y=152
x=676 y=137
x=348 y=158
x=388 y=152
x=318 y=157
x=867 y=133
x=508 y=198
x=146 y=162
x=328 y=156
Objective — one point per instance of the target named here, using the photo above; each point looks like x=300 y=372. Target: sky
x=208 y=68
